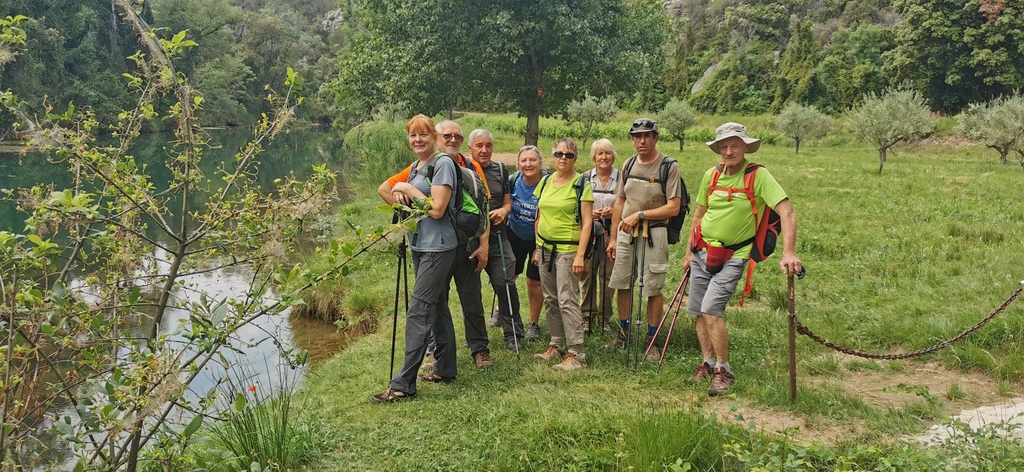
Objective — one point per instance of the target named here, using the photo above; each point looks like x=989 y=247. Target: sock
x=709 y=361
x=558 y=342
x=624 y=324
x=724 y=367
x=651 y=330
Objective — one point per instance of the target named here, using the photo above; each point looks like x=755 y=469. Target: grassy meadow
x=896 y=263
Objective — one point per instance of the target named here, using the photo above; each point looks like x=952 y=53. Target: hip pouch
x=717 y=255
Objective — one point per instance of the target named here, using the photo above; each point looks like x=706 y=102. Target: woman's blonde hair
x=603 y=144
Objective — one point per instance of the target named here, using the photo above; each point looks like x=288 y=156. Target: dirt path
x=972 y=395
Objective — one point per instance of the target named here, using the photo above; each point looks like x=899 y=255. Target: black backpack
x=470 y=215
x=675 y=224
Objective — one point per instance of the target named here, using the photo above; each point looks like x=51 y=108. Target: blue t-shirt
x=524 y=210
x=435 y=235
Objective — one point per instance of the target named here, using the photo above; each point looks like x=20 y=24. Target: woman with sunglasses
x=522 y=232
x=433 y=245
x=565 y=205
x=604 y=178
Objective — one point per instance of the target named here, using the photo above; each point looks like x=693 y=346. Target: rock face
x=332 y=20
x=699 y=84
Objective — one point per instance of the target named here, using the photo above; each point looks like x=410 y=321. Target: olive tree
x=998 y=124
x=589 y=112
x=801 y=122
x=677 y=117
x=899 y=114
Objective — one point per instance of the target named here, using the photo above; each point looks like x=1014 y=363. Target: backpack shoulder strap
x=628 y=166
x=666 y=165
x=748 y=185
x=503 y=173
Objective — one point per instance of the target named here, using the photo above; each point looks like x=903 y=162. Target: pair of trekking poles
x=402 y=277
x=640 y=240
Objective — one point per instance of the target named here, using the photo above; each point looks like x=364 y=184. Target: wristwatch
x=641 y=215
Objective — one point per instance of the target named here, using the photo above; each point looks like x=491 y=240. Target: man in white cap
x=724 y=226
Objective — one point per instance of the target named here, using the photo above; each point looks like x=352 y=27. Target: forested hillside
x=723 y=56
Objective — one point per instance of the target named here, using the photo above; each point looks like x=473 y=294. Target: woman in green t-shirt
x=565 y=208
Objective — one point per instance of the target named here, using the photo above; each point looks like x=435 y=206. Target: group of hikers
x=579 y=238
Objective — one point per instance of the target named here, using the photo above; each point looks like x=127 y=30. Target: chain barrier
x=800 y=328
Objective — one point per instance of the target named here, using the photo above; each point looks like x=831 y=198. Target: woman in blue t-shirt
x=522 y=231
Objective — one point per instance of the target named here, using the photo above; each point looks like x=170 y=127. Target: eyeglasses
x=457 y=137
x=560 y=154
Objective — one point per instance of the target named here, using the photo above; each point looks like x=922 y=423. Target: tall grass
x=376 y=150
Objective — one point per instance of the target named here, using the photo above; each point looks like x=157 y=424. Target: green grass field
x=896 y=263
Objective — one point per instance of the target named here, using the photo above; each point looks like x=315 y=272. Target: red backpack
x=768 y=227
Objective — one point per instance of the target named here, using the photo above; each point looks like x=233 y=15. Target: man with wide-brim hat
x=723 y=225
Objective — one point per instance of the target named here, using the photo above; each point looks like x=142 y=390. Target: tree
x=795 y=79
x=900 y=114
x=534 y=56
x=676 y=118
x=851 y=66
x=998 y=124
x=589 y=112
x=802 y=122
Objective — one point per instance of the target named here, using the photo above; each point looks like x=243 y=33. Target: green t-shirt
x=556 y=209
x=732 y=221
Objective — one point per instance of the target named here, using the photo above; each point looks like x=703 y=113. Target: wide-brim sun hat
x=734 y=130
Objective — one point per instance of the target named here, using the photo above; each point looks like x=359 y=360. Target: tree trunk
x=533 y=124
x=881 y=159
x=681 y=139
x=797 y=145
x=533 y=114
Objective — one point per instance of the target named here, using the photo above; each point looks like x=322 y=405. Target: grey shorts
x=655 y=260
x=710 y=293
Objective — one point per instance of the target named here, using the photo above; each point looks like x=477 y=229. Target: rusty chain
x=800 y=328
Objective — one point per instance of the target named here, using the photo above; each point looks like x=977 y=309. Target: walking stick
x=632 y=285
x=593 y=280
x=672 y=325
x=402 y=264
x=792 y=335
x=676 y=298
x=644 y=238
x=508 y=294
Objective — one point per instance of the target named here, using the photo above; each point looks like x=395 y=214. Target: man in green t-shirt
x=725 y=217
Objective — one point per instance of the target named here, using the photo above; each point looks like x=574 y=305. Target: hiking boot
x=391 y=396
x=493 y=322
x=702 y=372
x=532 y=331
x=514 y=346
x=553 y=353
x=428 y=364
x=434 y=378
x=654 y=353
x=483 y=360
x=619 y=341
x=720 y=381
x=572 y=361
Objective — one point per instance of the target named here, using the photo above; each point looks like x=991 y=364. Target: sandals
x=434 y=378
x=391 y=396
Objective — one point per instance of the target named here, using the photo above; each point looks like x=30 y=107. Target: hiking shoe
x=654 y=353
x=532 y=332
x=493 y=322
x=434 y=378
x=553 y=353
x=572 y=361
x=391 y=396
x=702 y=372
x=720 y=381
x=483 y=360
x=514 y=346
x=619 y=341
x=428 y=364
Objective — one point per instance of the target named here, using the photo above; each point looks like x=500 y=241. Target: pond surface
x=256 y=357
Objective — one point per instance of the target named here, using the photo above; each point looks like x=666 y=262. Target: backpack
x=769 y=227
x=675 y=223
x=469 y=203
x=578 y=186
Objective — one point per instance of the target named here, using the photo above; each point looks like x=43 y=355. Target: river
x=256 y=359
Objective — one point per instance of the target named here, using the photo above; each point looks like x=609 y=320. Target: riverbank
x=896 y=263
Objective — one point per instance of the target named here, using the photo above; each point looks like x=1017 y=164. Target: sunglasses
x=448 y=136
x=560 y=154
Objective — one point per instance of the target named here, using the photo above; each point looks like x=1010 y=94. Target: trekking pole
x=632 y=285
x=792 y=335
x=644 y=240
x=593 y=281
x=672 y=325
x=676 y=297
x=508 y=294
x=398 y=281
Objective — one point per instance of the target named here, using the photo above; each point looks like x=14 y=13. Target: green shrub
x=377 y=149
